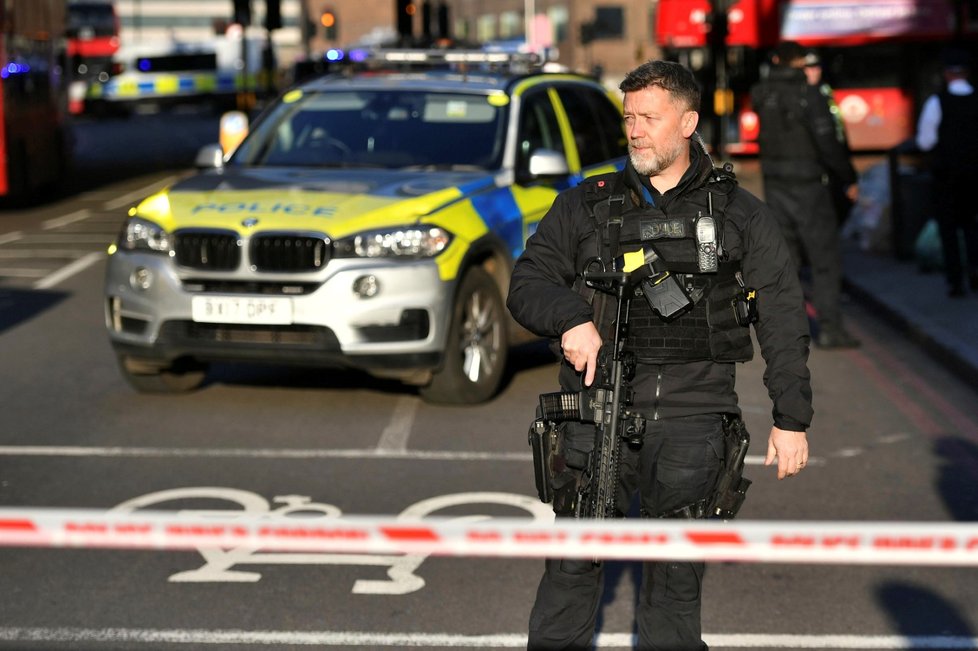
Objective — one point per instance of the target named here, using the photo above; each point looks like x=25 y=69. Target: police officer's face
x=814 y=74
x=658 y=130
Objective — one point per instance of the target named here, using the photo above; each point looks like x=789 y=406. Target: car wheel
x=476 y=349
x=151 y=377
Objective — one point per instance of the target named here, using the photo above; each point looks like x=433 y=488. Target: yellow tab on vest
x=633 y=260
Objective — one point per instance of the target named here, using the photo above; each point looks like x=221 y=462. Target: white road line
x=435 y=455
x=39 y=253
x=505 y=640
x=136 y=195
x=69 y=238
x=12 y=236
x=395 y=436
x=13 y=272
x=266 y=453
x=68 y=270
x=64 y=220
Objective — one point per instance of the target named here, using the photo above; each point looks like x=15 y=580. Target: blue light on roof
x=334 y=54
x=14 y=68
x=358 y=56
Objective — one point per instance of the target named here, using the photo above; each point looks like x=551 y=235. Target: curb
x=946 y=350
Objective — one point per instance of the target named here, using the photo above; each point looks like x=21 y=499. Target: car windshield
x=379 y=128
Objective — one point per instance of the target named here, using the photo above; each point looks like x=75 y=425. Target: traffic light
x=242 y=12
x=405 y=10
x=273 y=14
x=328 y=21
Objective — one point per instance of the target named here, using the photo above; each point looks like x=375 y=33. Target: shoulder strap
x=606 y=206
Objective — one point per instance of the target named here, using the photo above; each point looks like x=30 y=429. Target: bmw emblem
x=251 y=222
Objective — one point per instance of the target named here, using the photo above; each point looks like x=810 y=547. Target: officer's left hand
x=790 y=449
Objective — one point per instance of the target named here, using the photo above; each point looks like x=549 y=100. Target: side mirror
x=209 y=157
x=547 y=162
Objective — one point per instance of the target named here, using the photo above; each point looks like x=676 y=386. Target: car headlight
x=143 y=235
x=407 y=242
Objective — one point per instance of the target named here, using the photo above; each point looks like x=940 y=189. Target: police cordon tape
x=921 y=543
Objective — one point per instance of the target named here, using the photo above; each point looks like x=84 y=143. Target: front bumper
x=149 y=314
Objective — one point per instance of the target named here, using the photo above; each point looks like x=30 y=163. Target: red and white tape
x=923 y=543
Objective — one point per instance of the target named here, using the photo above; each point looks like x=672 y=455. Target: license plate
x=241 y=309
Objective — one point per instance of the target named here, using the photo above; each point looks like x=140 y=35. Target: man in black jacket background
x=685 y=371
x=802 y=153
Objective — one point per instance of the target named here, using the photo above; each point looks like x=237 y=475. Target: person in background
x=841 y=200
x=801 y=151
x=948 y=127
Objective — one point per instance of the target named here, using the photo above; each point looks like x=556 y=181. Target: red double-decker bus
x=880 y=57
x=92 y=42
x=34 y=142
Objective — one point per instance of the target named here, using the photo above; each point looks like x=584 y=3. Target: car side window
x=596 y=124
x=538 y=128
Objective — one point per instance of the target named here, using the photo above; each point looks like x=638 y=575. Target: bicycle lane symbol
x=401 y=568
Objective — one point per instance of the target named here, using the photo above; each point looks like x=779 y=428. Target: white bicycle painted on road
x=401 y=568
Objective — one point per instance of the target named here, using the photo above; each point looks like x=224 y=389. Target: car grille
x=210 y=251
x=266 y=288
x=185 y=332
x=289 y=253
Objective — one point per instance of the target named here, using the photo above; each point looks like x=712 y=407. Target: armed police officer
x=803 y=152
x=683 y=381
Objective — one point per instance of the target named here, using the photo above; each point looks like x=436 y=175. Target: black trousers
x=956 y=211
x=806 y=214
x=677 y=465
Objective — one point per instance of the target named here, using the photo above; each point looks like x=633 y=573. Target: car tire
x=477 y=346
x=151 y=377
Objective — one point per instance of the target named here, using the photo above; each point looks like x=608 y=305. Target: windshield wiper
x=451 y=167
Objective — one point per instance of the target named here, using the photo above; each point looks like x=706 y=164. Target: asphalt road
x=895 y=439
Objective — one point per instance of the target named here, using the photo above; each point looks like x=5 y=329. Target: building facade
x=610 y=36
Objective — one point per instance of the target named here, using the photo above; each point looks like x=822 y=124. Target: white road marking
x=69 y=238
x=395 y=436
x=64 y=220
x=13 y=272
x=13 y=236
x=68 y=270
x=259 y=453
x=500 y=640
x=34 y=254
x=298 y=453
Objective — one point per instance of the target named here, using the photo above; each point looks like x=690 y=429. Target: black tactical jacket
x=542 y=299
x=799 y=138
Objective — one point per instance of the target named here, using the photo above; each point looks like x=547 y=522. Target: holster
x=557 y=468
x=732 y=486
x=544 y=442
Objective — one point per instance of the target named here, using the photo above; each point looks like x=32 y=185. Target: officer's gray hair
x=669 y=76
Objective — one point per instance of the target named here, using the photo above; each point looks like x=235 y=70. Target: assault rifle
x=605 y=403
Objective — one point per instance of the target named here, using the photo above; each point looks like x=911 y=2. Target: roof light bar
x=455 y=57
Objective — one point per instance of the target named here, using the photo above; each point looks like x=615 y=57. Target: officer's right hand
x=580 y=346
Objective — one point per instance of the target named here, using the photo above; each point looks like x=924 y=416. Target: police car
x=368 y=221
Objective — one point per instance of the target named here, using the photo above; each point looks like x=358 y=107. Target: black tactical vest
x=708 y=331
x=957 y=138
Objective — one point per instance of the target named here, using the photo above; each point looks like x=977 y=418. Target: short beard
x=655 y=162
